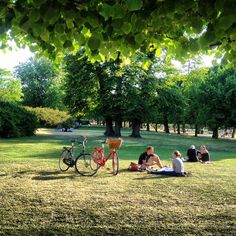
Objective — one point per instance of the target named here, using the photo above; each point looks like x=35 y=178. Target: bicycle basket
x=115 y=143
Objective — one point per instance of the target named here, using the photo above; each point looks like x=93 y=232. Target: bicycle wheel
x=115 y=164
x=65 y=160
x=86 y=165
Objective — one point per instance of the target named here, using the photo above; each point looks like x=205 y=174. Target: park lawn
x=37 y=199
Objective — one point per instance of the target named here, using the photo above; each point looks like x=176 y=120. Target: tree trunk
x=178 y=128
x=215 y=133
x=233 y=133
x=124 y=124
x=174 y=128
x=156 y=127
x=136 y=129
x=196 y=130
x=148 y=127
x=183 y=128
x=118 y=126
x=166 y=125
x=130 y=124
x=109 y=128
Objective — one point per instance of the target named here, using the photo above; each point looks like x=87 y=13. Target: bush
x=16 y=121
x=48 y=117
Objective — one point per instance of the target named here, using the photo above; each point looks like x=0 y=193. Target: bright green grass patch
x=37 y=199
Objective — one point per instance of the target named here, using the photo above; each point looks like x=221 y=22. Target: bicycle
x=67 y=158
x=88 y=166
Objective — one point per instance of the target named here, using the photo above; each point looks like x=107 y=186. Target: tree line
x=157 y=94
x=137 y=92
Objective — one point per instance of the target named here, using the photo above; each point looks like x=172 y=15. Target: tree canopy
x=104 y=28
x=10 y=88
x=41 y=83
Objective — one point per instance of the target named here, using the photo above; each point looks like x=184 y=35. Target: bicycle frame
x=101 y=160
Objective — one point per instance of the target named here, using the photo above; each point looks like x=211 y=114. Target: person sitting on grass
x=204 y=155
x=148 y=158
x=177 y=167
x=192 y=154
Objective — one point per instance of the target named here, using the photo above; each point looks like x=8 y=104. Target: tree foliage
x=103 y=28
x=48 y=117
x=10 y=88
x=40 y=83
x=218 y=98
x=16 y=121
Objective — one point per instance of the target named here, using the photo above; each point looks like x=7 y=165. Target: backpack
x=134 y=167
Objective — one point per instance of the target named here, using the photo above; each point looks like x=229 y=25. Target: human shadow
x=153 y=176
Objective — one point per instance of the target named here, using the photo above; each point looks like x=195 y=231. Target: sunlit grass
x=37 y=199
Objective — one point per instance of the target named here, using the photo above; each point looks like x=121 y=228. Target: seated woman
x=148 y=158
x=192 y=154
x=204 y=155
x=177 y=167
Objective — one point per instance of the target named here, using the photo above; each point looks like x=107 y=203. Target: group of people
x=194 y=155
x=149 y=158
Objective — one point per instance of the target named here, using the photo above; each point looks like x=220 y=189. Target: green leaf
x=118 y=11
x=226 y=21
x=59 y=28
x=134 y=5
x=67 y=44
x=139 y=38
x=106 y=11
x=34 y=15
x=38 y=29
x=209 y=36
x=126 y=28
x=39 y=2
x=69 y=24
x=45 y=36
x=194 y=45
x=2 y=13
x=51 y=16
x=94 y=43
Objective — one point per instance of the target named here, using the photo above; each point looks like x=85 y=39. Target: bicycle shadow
x=54 y=175
x=124 y=170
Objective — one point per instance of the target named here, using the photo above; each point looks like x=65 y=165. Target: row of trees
x=153 y=93
x=157 y=94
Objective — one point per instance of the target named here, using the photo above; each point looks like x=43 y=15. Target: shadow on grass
x=53 y=175
x=124 y=170
x=3 y=174
x=153 y=176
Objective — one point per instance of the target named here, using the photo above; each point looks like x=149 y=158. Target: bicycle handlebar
x=81 y=142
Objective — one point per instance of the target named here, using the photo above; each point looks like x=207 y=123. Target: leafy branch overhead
x=105 y=27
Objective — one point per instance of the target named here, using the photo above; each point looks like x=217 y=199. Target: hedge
x=50 y=118
x=16 y=121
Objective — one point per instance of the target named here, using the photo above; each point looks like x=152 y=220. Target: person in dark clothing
x=204 y=156
x=148 y=158
x=192 y=154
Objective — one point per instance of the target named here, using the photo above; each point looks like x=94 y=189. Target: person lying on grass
x=177 y=167
x=149 y=158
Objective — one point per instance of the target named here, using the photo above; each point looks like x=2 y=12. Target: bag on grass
x=133 y=167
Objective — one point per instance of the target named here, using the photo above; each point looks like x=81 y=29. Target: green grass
x=37 y=199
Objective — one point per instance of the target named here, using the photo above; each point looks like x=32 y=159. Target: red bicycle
x=89 y=165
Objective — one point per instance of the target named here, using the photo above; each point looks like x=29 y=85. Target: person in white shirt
x=177 y=167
